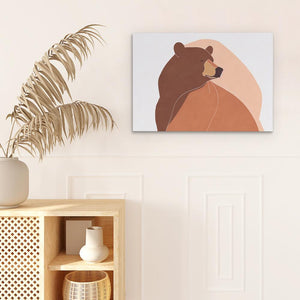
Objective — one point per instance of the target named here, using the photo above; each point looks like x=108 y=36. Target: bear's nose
x=218 y=72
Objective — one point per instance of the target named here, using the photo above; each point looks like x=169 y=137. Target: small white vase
x=14 y=182
x=94 y=251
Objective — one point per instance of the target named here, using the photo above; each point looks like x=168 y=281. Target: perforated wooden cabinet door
x=19 y=258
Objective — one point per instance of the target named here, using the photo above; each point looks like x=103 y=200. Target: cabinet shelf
x=64 y=262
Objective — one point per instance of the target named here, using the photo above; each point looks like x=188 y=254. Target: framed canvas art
x=203 y=82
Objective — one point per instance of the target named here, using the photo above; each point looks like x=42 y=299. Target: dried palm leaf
x=65 y=121
x=44 y=118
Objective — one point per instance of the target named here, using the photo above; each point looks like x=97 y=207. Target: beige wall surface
x=209 y=215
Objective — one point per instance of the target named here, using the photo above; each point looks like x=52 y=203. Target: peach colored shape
x=236 y=78
x=212 y=108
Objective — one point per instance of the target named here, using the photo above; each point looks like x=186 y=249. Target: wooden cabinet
x=32 y=247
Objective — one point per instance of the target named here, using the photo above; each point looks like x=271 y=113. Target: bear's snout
x=211 y=70
x=218 y=72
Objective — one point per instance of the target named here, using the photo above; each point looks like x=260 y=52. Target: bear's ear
x=178 y=49
x=209 y=49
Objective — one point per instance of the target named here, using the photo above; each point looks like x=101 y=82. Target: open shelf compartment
x=56 y=259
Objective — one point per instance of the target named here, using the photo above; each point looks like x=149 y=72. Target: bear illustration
x=190 y=101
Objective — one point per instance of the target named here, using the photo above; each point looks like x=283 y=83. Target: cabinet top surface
x=66 y=207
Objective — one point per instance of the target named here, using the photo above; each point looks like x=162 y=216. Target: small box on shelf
x=75 y=234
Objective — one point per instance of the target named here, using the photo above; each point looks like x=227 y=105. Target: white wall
x=175 y=183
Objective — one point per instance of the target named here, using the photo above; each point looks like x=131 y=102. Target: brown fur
x=182 y=74
x=190 y=102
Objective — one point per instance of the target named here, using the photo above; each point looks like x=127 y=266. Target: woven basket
x=87 y=285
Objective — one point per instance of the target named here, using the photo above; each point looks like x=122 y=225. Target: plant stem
x=9 y=139
x=2 y=149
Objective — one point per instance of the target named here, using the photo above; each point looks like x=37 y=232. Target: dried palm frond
x=45 y=120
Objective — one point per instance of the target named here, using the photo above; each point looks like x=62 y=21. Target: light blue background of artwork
x=151 y=52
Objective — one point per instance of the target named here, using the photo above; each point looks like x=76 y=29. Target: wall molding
x=183 y=156
x=260 y=178
x=106 y=174
x=243 y=273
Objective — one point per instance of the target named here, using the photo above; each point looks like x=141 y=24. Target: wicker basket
x=87 y=285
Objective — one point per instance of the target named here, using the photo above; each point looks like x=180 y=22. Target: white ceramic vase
x=14 y=182
x=94 y=251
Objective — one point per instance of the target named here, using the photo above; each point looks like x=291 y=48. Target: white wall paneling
x=225 y=230
x=225 y=242
x=164 y=188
